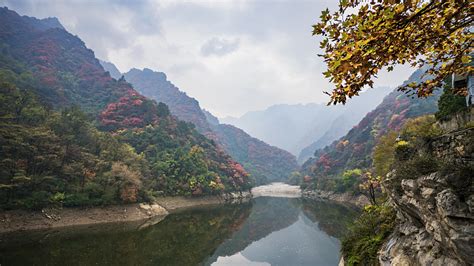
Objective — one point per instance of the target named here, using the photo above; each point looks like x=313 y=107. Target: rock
x=409 y=186
x=153 y=209
x=435 y=222
x=357 y=200
x=427 y=192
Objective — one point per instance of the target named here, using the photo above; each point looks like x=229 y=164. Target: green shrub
x=367 y=234
x=450 y=104
x=57 y=198
x=417 y=166
x=77 y=199
x=37 y=200
x=403 y=151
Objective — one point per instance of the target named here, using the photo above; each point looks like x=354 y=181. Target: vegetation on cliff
x=399 y=157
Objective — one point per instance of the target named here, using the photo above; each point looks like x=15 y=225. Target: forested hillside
x=70 y=133
x=354 y=150
x=264 y=162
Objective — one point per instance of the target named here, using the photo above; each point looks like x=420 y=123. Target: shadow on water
x=276 y=231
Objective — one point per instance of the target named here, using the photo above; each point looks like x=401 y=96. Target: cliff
x=435 y=211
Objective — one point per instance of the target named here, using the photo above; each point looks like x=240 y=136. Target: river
x=276 y=228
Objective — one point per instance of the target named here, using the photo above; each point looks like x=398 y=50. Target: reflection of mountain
x=330 y=217
x=283 y=231
x=185 y=238
x=268 y=215
x=299 y=244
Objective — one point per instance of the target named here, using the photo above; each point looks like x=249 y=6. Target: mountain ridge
x=295 y=127
x=255 y=155
x=354 y=149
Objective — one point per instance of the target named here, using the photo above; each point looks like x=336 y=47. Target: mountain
x=280 y=125
x=156 y=86
x=264 y=162
x=70 y=132
x=349 y=115
x=354 y=149
x=302 y=128
x=112 y=69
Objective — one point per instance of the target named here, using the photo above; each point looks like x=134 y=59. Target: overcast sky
x=232 y=56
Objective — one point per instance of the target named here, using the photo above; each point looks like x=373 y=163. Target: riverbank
x=141 y=213
x=344 y=198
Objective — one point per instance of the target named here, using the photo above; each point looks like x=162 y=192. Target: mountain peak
x=38 y=24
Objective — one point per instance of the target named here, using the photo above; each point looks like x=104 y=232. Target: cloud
x=233 y=56
x=102 y=25
x=219 y=46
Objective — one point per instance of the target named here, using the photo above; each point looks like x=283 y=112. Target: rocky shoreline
x=141 y=214
x=345 y=198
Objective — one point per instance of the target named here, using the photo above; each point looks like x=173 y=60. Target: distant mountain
x=211 y=119
x=280 y=125
x=112 y=69
x=354 y=149
x=349 y=115
x=295 y=127
x=264 y=162
x=156 y=86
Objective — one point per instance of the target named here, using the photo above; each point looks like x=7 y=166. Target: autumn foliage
x=70 y=134
x=435 y=34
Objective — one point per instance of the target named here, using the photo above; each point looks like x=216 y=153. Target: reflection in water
x=284 y=231
x=185 y=238
x=268 y=231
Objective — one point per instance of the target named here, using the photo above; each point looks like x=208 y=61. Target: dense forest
x=73 y=135
x=265 y=163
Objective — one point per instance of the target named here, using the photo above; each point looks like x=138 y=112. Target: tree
x=370 y=185
x=434 y=34
x=383 y=155
x=128 y=181
x=450 y=103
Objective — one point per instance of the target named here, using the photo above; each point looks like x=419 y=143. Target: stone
x=435 y=227
x=427 y=192
x=409 y=185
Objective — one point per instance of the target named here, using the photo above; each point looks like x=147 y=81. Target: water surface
x=265 y=231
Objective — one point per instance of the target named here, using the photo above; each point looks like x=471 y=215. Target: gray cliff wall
x=435 y=212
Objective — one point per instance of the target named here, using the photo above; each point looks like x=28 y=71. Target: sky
x=232 y=56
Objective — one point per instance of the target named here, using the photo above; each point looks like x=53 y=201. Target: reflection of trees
x=332 y=218
x=268 y=215
x=185 y=238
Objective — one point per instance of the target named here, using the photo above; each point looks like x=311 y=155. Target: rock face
x=358 y=200
x=435 y=211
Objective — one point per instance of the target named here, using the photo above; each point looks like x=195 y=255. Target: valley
x=150 y=134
